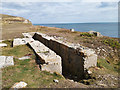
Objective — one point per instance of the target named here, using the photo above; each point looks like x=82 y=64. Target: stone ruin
x=76 y=59
x=54 y=55
x=98 y=34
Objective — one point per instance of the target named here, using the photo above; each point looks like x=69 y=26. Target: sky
x=39 y=12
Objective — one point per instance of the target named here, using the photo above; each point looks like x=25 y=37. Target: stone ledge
x=49 y=60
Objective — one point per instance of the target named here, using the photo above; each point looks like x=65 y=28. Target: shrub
x=111 y=42
x=86 y=34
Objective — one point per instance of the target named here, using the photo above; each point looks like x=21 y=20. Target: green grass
x=102 y=63
x=25 y=70
x=86 y=34
x=111 y=42
x=28 y=72
x=18 y=51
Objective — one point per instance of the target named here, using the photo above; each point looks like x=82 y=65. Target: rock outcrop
x=8 y=19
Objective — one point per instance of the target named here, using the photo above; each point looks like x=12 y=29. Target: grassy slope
x=25 y=70
x=29 y=72
x=108 y=57
x=10 y=31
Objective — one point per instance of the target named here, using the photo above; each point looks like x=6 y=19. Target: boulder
x=72 y=30
x=98 y=34
x=6 y=61
x=20 y=84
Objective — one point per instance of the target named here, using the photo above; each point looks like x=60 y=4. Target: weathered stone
x=1 y=40
x=22 y=41
x=98 y=34
x=6 y=61
x=49 y=60
x=75 y=58
x=3 y=44
x=72 y=30
x=55 y=80
x=20 y=84
x=25 y=57
x=26 y=35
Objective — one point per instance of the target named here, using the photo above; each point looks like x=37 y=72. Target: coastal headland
x=103 y=74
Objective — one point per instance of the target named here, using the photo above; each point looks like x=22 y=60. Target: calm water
x=106 y=29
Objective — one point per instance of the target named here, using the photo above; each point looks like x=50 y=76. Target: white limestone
x=6 y=61
x=26 y=35
x=50 y=61
x=20 y=84
x=3 y=44
x=22 y=41
x=23 y=58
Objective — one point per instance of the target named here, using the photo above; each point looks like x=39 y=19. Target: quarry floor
x=104 y=73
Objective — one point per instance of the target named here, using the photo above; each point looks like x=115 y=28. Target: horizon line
x=74 y=22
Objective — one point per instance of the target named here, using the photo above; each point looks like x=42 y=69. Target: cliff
x=8 y=19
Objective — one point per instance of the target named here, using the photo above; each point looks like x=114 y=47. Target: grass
x=25 y=70
x=86 y=34
x=111 y=42
x=17 y=51
x=102 y=63
x=28 y=72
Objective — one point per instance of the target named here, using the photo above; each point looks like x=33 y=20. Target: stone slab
x=50 y=61
x=3 y=45
x=6 y=61
x=22 y=41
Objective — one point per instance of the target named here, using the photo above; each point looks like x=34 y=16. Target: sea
x=107 y=29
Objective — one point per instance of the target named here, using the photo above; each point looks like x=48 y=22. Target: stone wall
x=75 y=59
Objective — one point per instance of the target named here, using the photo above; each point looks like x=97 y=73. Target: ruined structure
x=55 y=55
x=75 y=58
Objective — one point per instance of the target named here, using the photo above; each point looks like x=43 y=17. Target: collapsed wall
x=75 y=58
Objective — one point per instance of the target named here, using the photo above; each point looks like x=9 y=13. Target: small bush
x=111 y=42
x=86 y=34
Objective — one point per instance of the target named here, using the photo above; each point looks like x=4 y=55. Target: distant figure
x=72 y=30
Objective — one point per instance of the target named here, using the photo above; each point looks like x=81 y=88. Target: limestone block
x=3 y=44
x=90 y=61
x=22 y=41
x=20 y=84
x=25 y=57
x=50 y=61
x=6 y=61
x=26 y=35
x=72 y=30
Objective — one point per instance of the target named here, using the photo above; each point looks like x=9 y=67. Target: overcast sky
x=63 y=12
